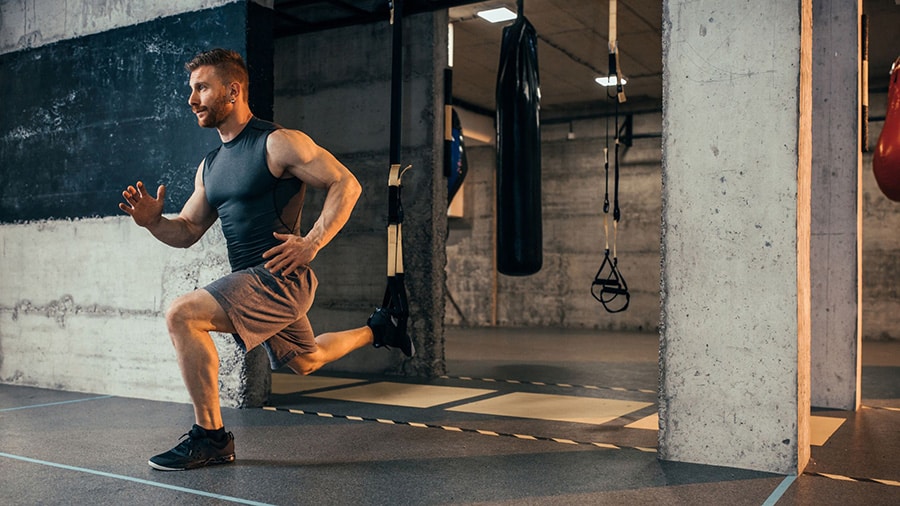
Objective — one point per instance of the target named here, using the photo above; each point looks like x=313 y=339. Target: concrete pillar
x=836 y=229
x=335 y=85
x=734 y=347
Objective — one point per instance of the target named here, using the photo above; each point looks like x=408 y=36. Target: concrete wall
x=881 y=243
x=573 y=184
x=33 y=23
x=82 y=289
x=343 y=102
x=82 y=304
x=78 y=298
x=573 y=191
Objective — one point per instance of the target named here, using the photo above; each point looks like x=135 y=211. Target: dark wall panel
x=81 y=119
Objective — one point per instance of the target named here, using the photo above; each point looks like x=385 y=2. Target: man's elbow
x=354 y=189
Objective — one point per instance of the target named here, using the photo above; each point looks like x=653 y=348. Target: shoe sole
x=412 y=349
x=208 y=462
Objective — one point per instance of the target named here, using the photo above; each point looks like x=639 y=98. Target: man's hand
x=294 y=252
x=144 y=209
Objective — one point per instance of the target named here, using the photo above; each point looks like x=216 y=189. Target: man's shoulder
x=207 y=160
x=263 y=125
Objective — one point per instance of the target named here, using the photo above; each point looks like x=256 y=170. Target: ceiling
x=572 y=47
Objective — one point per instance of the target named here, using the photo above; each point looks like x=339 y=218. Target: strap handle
x=395 y=300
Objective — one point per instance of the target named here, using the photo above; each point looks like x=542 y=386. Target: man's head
x=228 y=65
x=218 y=80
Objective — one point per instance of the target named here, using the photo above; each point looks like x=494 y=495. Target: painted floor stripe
x=885 y=408
x=839 y=477
x=449 y=428
x=237 y=500
x=55 y=403
x=779 y=490
x=543 y=384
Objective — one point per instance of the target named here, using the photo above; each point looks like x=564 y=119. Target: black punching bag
x=519 y=235
x=459 y=162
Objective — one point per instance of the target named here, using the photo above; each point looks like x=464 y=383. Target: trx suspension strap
x=395 y=301
x=609 y=286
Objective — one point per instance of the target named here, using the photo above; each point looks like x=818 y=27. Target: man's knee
x=305 y=364
x=182 y=313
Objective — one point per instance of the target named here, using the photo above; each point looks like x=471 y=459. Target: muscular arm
x=293 y=152
x=181 y=232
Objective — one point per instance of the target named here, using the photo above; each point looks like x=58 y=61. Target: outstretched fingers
x=140 y=205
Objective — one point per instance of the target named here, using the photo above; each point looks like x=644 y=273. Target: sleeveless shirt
x=251 y=202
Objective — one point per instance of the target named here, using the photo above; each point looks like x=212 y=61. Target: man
x=255 y=183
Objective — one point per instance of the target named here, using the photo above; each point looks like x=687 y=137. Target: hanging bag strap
x=395 y=300
x=609 y=287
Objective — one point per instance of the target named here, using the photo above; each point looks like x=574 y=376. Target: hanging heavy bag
x=519 y=233
x=886 y=160
x=458 y=162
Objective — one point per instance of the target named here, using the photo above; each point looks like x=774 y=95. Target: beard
x=215 y=113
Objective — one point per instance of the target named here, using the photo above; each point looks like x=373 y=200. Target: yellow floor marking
x=291 y=383
x=821 y=428
x=562 y=408
x=401 y=394
x=837 y=477
x=648 y=423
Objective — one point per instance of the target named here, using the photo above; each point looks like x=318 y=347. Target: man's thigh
x=205 y=310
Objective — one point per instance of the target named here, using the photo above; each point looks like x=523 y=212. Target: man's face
x=209 y=98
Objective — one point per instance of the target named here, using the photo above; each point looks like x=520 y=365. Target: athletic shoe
x=196 y=449
x=390 y=331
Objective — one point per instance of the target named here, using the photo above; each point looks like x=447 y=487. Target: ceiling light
x=498 y=15
x=610 y=81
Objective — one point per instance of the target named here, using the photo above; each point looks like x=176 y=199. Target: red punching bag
x=886 y=161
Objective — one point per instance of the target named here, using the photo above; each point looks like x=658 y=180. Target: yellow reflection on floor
x=290 y=383
x=821 y=428
x=561 y=408
x=648 y=423
x=402 y=394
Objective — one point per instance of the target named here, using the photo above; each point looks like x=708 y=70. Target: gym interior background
x=95 y=98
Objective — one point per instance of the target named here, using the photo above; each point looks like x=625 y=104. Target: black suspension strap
x=395 y=300
x=609 y=287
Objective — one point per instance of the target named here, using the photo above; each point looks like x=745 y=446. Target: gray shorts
x=269 y=310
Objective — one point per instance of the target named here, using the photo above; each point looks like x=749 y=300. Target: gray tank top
x=251 y=202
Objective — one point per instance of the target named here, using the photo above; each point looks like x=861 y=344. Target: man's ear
x=234 y=91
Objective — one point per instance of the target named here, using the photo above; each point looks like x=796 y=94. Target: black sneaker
x=390 y=331
x=196 y=449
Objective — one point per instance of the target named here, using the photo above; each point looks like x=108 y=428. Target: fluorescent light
x=498 y=15
x=610 y=81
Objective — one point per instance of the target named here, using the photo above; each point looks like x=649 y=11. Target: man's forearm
x=176 y=232
x=339 y=203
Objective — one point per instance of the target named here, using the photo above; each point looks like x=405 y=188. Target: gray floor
x=74 y=448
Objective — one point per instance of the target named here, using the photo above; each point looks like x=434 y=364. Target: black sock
x=216 y=435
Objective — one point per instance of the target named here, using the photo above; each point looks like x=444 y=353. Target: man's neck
x=234 y=124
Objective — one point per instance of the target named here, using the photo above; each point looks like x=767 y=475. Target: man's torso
x=251 y=202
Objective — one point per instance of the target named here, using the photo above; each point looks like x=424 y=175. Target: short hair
x=229 y=66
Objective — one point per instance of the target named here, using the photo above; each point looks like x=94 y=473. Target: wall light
x=610 y=81
x=498 y=15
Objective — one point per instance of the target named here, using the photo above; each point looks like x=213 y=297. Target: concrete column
x=734 y=348
x=335 y=85
x=836 y=229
